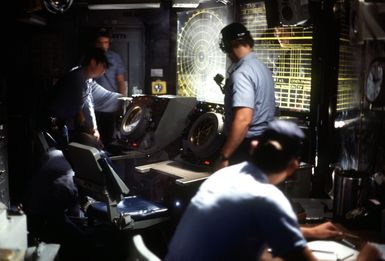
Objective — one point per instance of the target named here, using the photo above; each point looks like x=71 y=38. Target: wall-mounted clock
x=375 y=82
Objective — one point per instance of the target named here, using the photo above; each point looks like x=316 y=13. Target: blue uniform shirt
x=250 y=84
x=116 y=67
x=74 y=92
x=234 y=216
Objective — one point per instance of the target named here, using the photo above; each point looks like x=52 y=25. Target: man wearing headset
x=249 y=95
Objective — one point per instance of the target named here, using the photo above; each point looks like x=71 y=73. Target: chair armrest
x=114 y=182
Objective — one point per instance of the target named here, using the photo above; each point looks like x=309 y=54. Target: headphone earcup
x=225 y=46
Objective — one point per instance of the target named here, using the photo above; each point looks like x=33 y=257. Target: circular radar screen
x=199 y=58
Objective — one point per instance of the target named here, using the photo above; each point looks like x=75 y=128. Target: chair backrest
x=47 y=142
x=139 y=251
x=95 y=177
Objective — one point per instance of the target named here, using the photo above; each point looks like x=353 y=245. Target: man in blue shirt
x=238 y=211
x=249 y=95
x=112 y=80
x=75 y=97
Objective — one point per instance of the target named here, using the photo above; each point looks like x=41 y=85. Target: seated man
x=51 y=204
x=238 y=211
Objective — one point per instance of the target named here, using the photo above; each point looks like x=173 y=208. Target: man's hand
x=99 y=142
x=369 y=253
x=96 y=135
x=322 y=231
x=220 y=164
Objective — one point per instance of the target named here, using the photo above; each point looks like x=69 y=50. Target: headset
x=225 y=41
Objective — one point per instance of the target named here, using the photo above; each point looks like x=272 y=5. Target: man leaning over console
x=238 y=211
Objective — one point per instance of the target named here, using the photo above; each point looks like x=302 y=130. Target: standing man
x=75 y=97
x=249 y=95
x=112 y=80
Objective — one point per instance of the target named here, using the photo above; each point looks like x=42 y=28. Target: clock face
x=375 y=80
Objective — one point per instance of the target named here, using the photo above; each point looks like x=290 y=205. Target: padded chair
x=95 y=177
x=47 y=142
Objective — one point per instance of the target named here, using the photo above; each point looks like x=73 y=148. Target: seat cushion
x=137 y=207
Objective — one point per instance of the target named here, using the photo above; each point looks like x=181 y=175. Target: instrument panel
x=199 y=58
x=153 y=122
x=203 y=136
x=287 y=51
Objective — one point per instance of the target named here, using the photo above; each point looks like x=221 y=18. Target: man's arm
x=104 y=100
x=369 y=253
x=88 y=113
x=121 y=84
x=120 y=76
x=238 y=130
x=322 y=231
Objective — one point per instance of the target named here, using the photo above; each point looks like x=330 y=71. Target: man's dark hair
x=103 y=32
x=98 y=54
x=233 y=35
x=278 y=145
